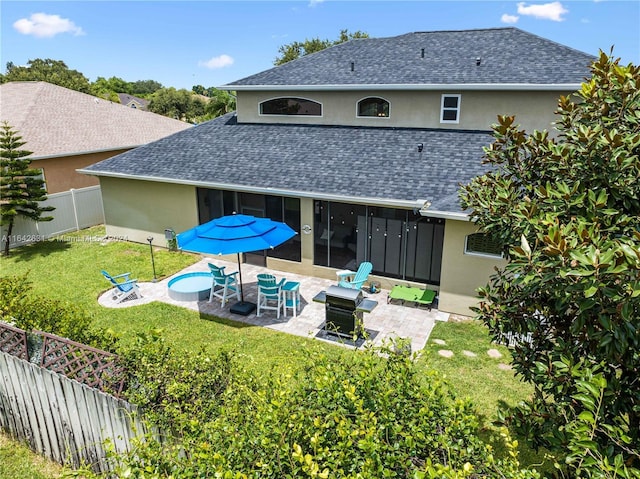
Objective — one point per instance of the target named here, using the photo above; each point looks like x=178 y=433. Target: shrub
x=366 y=416
x=19 y=305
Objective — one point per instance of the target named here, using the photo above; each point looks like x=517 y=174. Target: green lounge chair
x=410 y=293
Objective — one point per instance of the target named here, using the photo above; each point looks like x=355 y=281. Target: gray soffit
x=467 y=59
x=353 y=164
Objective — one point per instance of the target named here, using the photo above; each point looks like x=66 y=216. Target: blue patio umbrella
x=235 y=234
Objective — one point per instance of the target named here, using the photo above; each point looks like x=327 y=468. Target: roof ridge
x=466 y=30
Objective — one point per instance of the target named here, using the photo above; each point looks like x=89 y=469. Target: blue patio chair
x=355 y=280
x=223 y=285
x=270 y=294
x=123 y=287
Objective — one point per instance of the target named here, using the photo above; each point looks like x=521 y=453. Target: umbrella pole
x=242 y=307
x=241 y=284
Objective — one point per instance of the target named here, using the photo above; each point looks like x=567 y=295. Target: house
x=133 y=101
x=361 y=148
x=67 y=130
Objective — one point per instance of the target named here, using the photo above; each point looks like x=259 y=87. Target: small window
x=291 y=106
x=375 y=107
x=450 y=111
x=482 y=244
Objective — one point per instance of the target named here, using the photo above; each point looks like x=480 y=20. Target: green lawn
x=18 y=462
x=70 y=270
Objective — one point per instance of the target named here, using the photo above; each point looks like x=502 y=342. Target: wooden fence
x=59 y=417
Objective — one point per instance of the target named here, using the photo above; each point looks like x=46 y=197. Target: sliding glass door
x=399 y=243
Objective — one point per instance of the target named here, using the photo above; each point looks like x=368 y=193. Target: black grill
x=341 y=314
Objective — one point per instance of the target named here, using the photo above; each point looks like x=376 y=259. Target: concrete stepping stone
x=447 y=353
x=441 y=342
x=469 y=354
x=504 y=367
x=494 y=353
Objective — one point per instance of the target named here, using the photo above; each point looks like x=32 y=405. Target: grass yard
x=69 y=269
x=18 y=462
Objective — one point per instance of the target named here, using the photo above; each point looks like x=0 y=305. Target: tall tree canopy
x=51 y=71
x=294 y=50
x=21 y=187
x=567 y=210
x=179 y=104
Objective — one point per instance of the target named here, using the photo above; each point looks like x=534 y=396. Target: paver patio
x=385 y=321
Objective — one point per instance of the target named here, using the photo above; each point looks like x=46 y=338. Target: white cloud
x=546 y=11
x=313 y=3
x=217 y=62
x=506 y=18
x=43 y=25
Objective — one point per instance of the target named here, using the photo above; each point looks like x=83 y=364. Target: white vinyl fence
x=74 y=210
x=60 y=418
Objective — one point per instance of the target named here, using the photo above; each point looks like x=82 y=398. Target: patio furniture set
x=278 y=296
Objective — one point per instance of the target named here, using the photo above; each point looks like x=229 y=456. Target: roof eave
x=87 y=152
x=418 y=204
x=411 y=87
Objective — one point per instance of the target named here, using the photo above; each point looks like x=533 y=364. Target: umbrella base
x=244 y=308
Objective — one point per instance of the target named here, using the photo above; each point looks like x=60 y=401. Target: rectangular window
x=450 y=109
x=483 y=245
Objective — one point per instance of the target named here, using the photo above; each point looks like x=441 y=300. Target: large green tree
x=51 y=71
x=179 y=104
x=221 y=102
x=294 y=50
x=567 y=209
x=21 y=187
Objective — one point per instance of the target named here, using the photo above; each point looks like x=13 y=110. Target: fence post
x=75 y=209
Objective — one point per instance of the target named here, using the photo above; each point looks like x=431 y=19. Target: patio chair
x=223 y=285
x=123 y=287
x=270 y=295
x=355 y=280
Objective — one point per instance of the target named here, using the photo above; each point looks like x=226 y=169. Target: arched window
x=291 y=106
x=377 y=107
x=482 y=244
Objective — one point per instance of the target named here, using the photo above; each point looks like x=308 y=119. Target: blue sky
x=211 y=43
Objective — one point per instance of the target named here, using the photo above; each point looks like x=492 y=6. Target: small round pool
x=190 y=286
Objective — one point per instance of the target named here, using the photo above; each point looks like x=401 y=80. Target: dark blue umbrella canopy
x=235 y=234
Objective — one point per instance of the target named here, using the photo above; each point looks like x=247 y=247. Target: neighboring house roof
x=509 y=59
x=55 y=121
x=357 y=164
x=129 y=100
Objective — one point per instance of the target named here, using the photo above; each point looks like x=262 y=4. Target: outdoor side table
x=291 y=292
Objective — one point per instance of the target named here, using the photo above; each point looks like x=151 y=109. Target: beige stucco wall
x=137 y=209
x=416 y=109
x=60 y=173
x=462 y=274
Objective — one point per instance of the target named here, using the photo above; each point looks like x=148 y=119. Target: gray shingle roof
x=56 y=121
x=312 y=161
x=508 y=56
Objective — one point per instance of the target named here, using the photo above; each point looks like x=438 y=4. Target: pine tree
x=21 y=187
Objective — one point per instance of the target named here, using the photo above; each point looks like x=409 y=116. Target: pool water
x=190 y=286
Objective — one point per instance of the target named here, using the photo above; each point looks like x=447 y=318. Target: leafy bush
x=177 y=390
x=19 y=305
x=566 y=210
x=366 y=416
